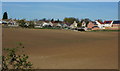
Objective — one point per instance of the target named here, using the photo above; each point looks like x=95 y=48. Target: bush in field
x=12 y=60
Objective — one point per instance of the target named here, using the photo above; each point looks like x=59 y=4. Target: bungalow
x=59 y=25
x=38 y=26
x=65 y=25
x=47 y=24
x=104 y=25
x=12 y=23
x=4 y=22
x=74 y=25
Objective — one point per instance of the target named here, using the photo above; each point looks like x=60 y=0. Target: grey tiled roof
x=116 y=22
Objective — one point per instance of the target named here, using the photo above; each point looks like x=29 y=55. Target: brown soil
x=65 y=49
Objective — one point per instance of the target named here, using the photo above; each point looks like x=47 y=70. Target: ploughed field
x=65 y=49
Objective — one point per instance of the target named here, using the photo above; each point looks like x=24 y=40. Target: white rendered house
x=104 y=24
x=47 y=24
x=74 y=25
x=83 y=24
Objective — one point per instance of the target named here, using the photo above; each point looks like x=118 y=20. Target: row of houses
x=50 y=24
x=9 y=23
x=92 y=25
x=41 y=24
x=96 y=25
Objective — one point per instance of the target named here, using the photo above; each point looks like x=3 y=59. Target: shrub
x=12 y=60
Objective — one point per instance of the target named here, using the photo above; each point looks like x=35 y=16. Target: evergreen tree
x=58 y=20
x=52 y=20
x=5 y=16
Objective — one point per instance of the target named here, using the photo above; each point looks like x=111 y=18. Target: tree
x=58 y=20
x=5 y=16
x=100 y=20
x=44 y=19
x=22 y=22
x=31 y=24
x=70 y=20
x=86 y=20
x=79 y=24
x=52 y=20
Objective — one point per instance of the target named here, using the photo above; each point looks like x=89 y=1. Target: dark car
x=81 y=29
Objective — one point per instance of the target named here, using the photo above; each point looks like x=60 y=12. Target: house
x=59 y=25
x=108 y=23
x=104 y=25
x=27 y=24
x=47 y=24
x=38 y=26
x=84 y=24
x=4 y=22
x=95 y=28
x=116 y=25
x=0 y=21
x=65 y=25
x=74 y=25
x=50 y=23
x=12 y=23
x=92 y=26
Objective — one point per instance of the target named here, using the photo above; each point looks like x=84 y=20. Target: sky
x=60 y=10
x=60 y=0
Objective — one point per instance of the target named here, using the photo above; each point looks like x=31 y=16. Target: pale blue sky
x=59 y=10
x=60 y=0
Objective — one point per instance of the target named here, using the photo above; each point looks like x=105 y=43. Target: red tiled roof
x=105 y=22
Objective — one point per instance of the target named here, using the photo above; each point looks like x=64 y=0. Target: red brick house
x=92 y=26
x=116 y=24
